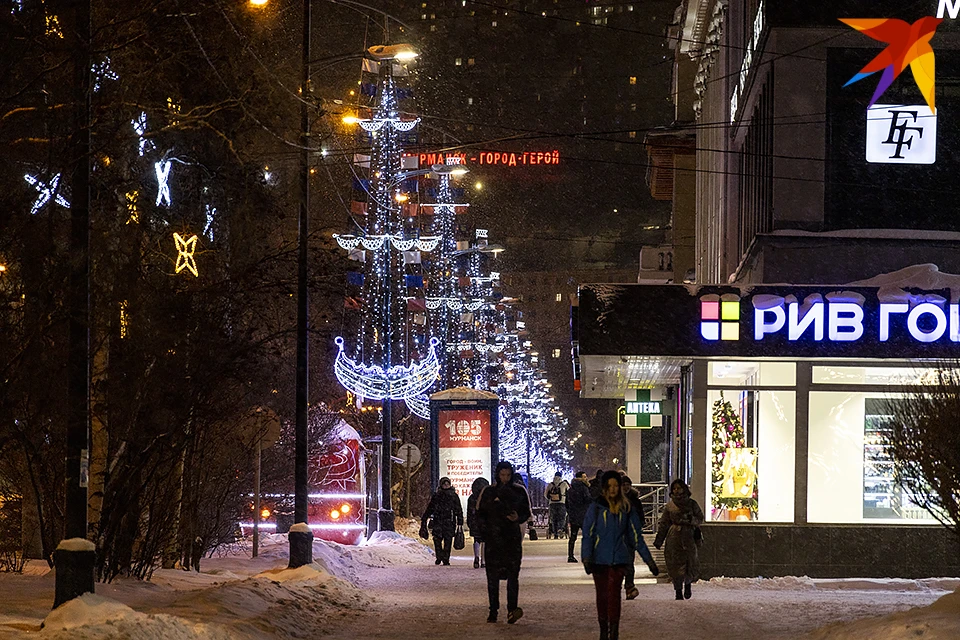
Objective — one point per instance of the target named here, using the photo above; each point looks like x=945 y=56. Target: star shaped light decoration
x=185 y=251
x=46 y=191
x=163 y=186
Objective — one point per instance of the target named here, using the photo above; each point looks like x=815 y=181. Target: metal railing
x=653 y=497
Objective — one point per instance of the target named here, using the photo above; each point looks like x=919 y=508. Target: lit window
x=470 y=62
x=629 y=7
x=469 y=100
x=433 y=27
x=556 y=353
x=632 y=134
x=493 y=24
x=633 y=79
x=458 y=61
x=559 y=297
x=423 y=17
x=424 y=5
x=633 y=106
x=594 y=11
x=433 y=16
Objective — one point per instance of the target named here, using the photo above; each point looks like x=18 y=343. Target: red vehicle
x=336 y=508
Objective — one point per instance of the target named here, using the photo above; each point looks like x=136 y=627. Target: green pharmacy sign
x=643 y=409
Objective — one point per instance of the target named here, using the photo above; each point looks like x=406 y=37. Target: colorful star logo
x=908 y=44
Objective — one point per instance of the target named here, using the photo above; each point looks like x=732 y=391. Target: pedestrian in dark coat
x=502 y=509
x=678 y=525
x=633 y=497
x=578 y=499
x=478 y=547
x=445 y=514
x=596 y=488
x=611 y=534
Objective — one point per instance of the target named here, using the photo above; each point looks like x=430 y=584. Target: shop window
x=850 y=472
x=755 y=374
x=875 y=375
x=751 y=456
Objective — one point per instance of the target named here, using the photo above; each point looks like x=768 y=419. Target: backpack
x=554 y=494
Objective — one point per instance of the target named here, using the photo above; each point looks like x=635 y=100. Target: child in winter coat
x=473 y=524
x=611 y=535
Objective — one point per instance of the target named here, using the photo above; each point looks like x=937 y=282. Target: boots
x=614 y=633
x=679 y=594
x=686 y=591
x=604 y=630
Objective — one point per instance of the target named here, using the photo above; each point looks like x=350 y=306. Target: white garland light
x=419 y=405
x=140 y=126
x=454 y=304
x=163 y=187
x=46 y=192
x=396 y=383
x=376 y=242
x=102 y=71
x=210 y=212
x=375 y=124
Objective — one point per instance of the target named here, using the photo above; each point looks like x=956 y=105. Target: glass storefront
x=751 y=443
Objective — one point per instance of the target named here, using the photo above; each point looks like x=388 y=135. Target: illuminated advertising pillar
x=464 y=438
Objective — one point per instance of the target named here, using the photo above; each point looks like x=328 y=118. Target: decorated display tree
x=383 y=367
x=727 y=434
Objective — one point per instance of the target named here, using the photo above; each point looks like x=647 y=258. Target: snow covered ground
x=390 y=588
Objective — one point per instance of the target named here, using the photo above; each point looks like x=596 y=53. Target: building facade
x=821 y=294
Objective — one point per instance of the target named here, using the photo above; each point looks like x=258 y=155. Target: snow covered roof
x=926 y=277
x=463 y=393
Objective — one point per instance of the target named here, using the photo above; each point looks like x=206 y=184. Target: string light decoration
x=53 y=26
x=133 y=212
x=140 y=126
x=419 y=405
x=396 y=383
x=376 y=124
x=375 y=243
x=163 y=186
x=102 y=71
x=185 y=250
x=210 y=213
x=124 y=319
x=46 y=191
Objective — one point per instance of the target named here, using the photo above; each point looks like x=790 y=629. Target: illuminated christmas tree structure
x=382 y=367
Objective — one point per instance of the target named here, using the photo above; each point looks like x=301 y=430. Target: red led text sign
x=494 y=158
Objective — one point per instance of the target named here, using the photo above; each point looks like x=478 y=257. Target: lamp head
x=449 y=169
x=401 y=52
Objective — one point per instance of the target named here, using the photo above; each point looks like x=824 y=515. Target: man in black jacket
x=578 y=499
x=502 y=509
x=445 y=514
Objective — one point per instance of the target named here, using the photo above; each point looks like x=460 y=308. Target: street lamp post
x=301 y=537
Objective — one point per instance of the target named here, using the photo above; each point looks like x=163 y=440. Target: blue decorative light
x=396 y=383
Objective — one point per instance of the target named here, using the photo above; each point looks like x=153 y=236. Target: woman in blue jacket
x=611 y=533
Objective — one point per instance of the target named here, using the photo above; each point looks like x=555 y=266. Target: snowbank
x=938 y=621
x=93 y=616
x=804 y=583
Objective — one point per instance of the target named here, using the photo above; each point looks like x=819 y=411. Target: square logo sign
x=901 y=134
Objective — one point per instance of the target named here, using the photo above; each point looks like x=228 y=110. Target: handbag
x=458 y=541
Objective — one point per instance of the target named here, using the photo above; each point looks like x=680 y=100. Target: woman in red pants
x=611 y=533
